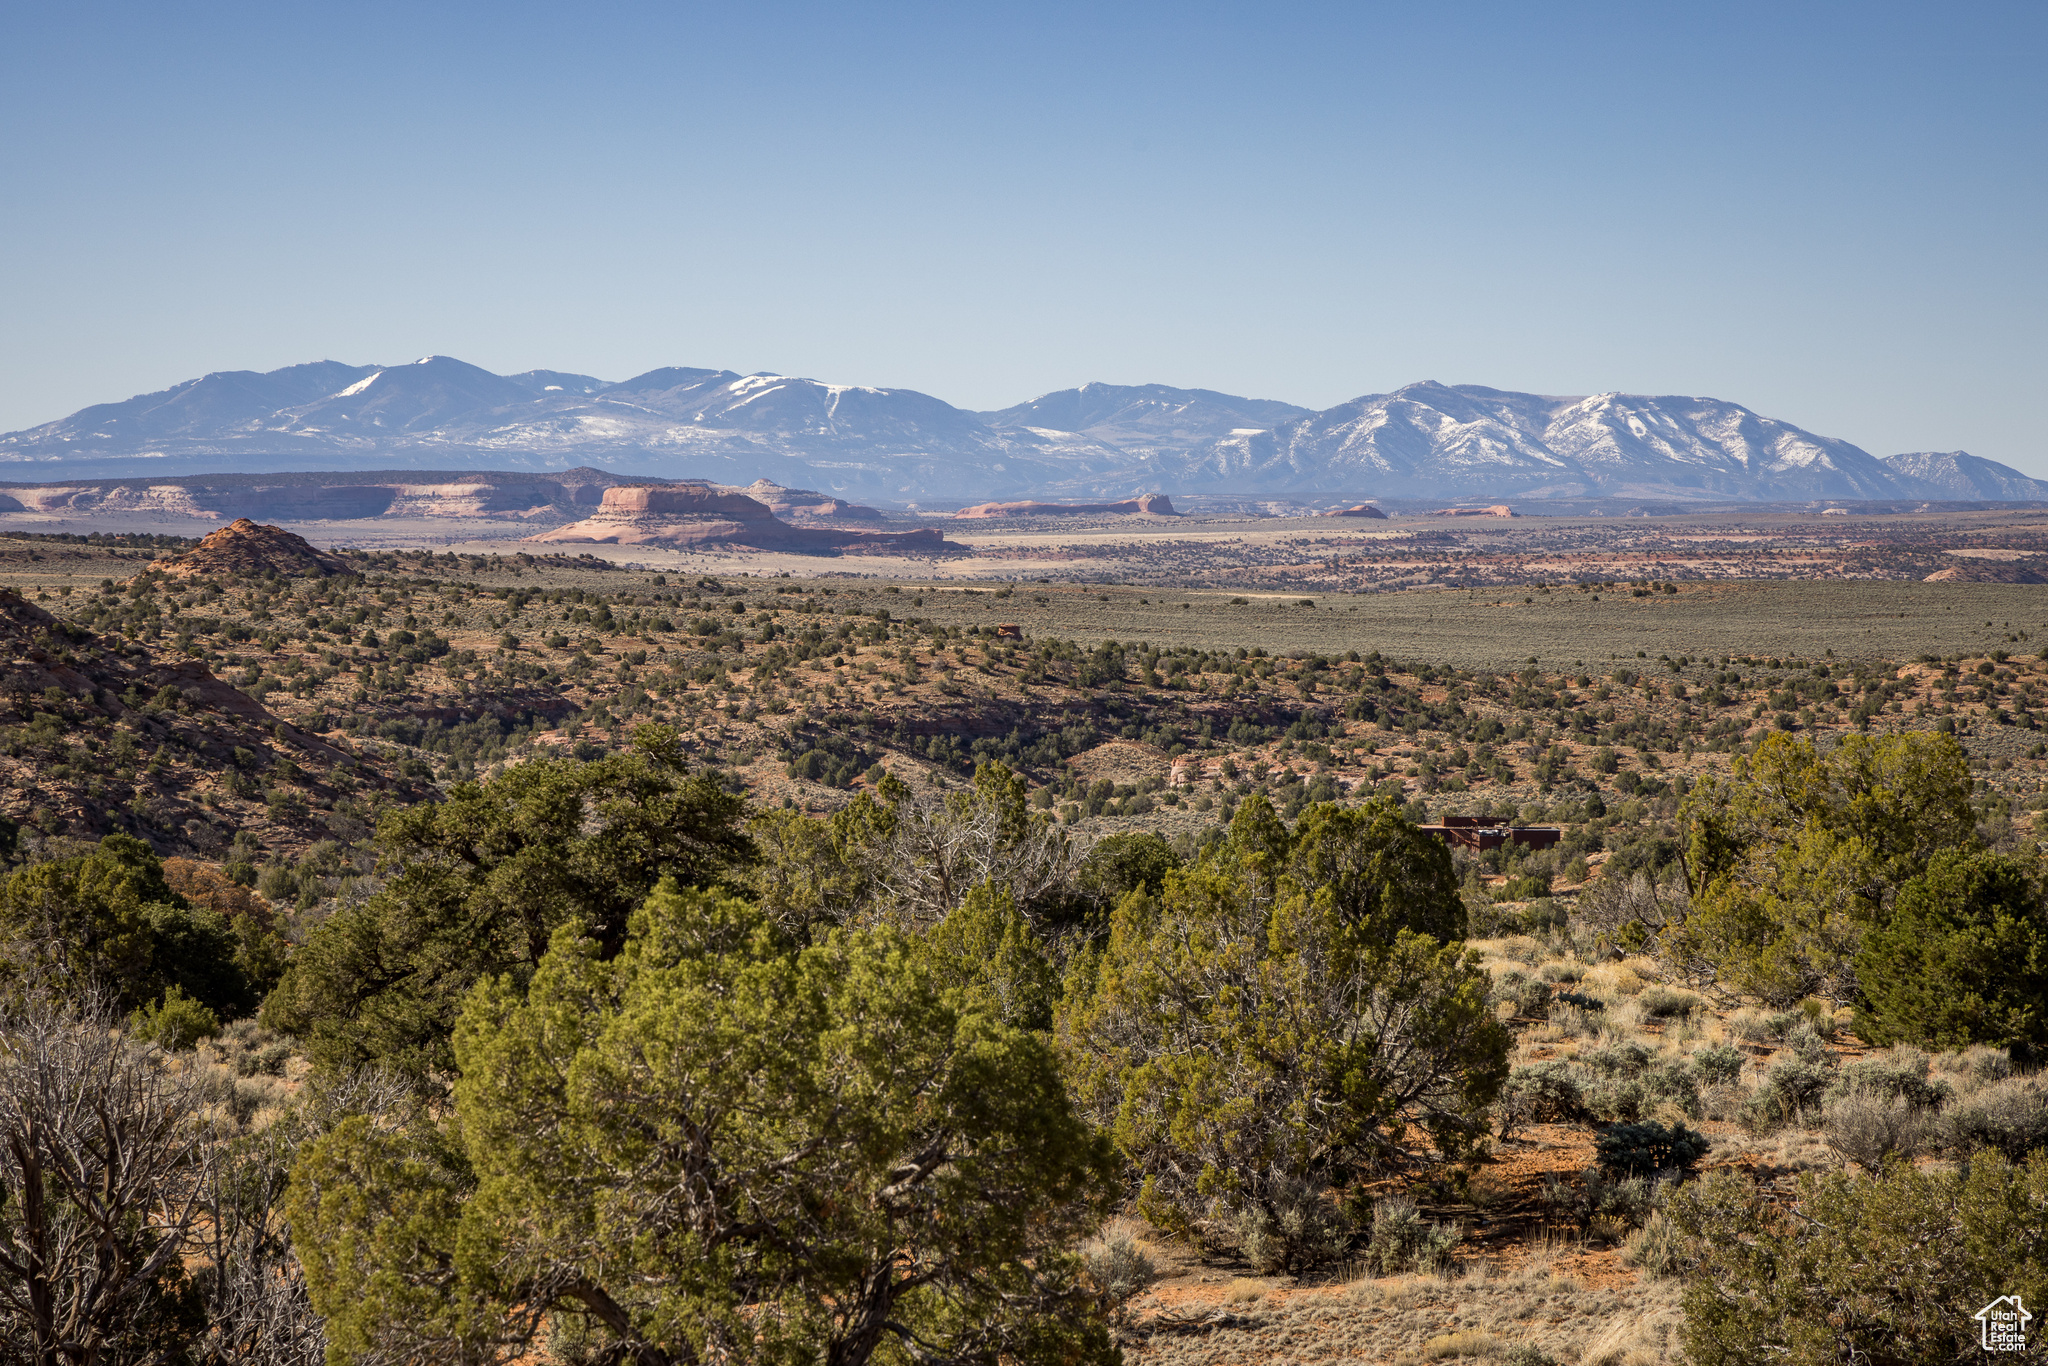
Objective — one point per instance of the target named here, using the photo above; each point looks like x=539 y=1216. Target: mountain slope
x=1148 y=418
x=539 y=382
x=1960 y=475
x=898 y=446
x=223 y=400
x=845 y=440
x=1433 y=440
x=426 y=396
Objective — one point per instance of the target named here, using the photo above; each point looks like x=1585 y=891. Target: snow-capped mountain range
x=899 y=446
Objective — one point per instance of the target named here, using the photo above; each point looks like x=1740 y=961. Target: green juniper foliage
x=107 y=916
x=1963 y=957
x=483 y=880
x=1887 y=1268
x=717 y=1145
x=1244 y=1038
x=1797 y=854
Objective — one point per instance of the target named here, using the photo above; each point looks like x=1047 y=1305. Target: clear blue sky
x=1831 y=213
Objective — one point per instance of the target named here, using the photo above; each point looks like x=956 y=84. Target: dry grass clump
x=1647 y=1337
x=1613 y=981
x=1245 y=1290
x=1396 y=1293
x=1536 y=1315
x=1466 y=1342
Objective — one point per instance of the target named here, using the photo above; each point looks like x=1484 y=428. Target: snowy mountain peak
x=1435 y=440
x=1424 y=440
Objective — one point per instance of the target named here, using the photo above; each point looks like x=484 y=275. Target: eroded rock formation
x=1151 y=504
x=685 y=515
x=808 y=504
x=245 y=547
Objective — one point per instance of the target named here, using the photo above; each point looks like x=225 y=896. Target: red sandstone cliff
x=683 y=515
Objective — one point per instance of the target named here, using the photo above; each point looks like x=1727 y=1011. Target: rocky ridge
x=688 y=515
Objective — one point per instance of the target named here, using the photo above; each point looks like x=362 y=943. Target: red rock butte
x=685 y=515
x=246 y=547
x=1497 y=510
x=1357 y=510
x=1151 y=504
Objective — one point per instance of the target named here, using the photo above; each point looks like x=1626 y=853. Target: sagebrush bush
x=1676 y=1083
x=1118 y=1267
x=1532 y=1000
x=1543 y=1092
x=1808 y=1042
x=2009 y=1117
x=1665 y=1003
x=1797 y=1082
x=1899 y=1072
x=1616 y=1058
x=1403 y=1240
x=1617 y=1099
x=251 y=1050
x=1761 y=1110
x=1657 y=1249
x=1573 y=1021
x=1968 y=1068
x=1870 y=1129
x=1752 y=1027
x=1717 y=1064
x=1298 y=1226
x=1600 y=1195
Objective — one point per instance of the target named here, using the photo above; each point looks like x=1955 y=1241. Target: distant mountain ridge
x=1433 y=440
x=1960 y=475
x=899 y=446
x=1151 y=419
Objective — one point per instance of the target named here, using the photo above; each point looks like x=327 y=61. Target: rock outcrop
x=246 y=547
x=1989 y=571
x=680 y=516
x=1151 y=504
x=1497 y=510
x=1357 y=510
x=808 y=504
x=493 y=495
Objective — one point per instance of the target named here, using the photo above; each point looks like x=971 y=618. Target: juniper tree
x=718 y=1145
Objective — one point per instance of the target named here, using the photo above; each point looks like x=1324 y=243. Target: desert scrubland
x=404 y=860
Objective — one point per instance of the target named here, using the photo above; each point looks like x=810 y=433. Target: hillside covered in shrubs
x=734 y=1019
